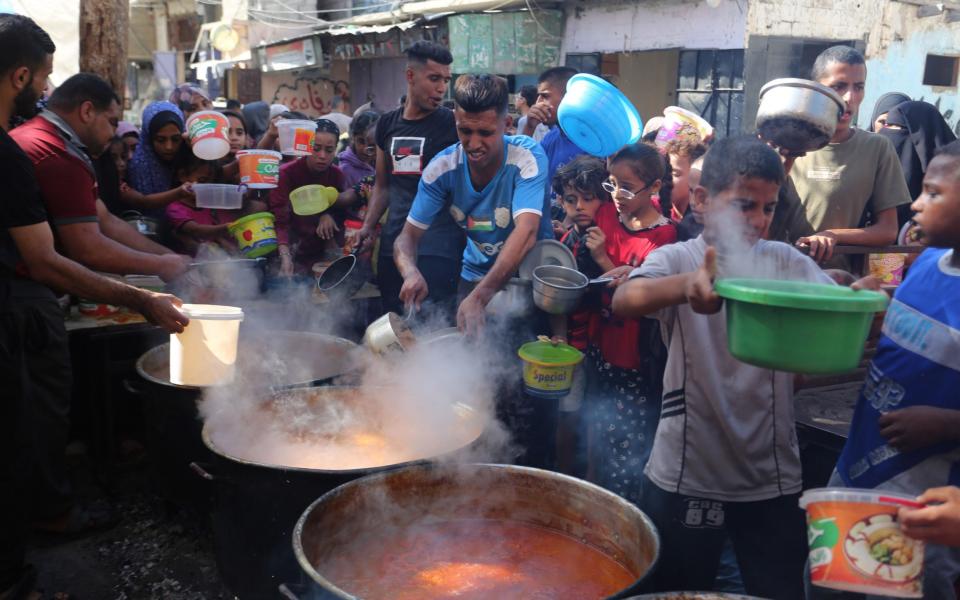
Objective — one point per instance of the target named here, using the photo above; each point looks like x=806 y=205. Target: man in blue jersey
x=492 y=185
x=905 y=435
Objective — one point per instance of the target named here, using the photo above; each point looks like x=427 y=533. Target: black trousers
x=35 y=382
x=442 y=275
x=769 y=538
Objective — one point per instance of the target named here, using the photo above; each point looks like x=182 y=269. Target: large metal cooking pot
x=798 y=115
x=693 y=596
x=173 y=428
x=403 y=497
x=257 y=505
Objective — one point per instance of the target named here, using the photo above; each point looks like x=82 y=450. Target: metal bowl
x=798 y=115
x=558 y=290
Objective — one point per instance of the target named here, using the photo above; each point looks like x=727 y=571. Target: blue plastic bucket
x=597 y=117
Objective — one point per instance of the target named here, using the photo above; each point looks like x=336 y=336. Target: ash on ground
x=157 y=551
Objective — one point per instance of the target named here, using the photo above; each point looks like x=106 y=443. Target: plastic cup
x=255 y=234
x=259 y=169
x=856 y=543
x=218 y=195
x=207 y=131
x=296 y=136
x=205 y=353
x=888 y=267
x=597 y=117
x=675 y=119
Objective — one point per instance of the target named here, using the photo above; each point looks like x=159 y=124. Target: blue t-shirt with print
x=487 y=215
x=917 y=363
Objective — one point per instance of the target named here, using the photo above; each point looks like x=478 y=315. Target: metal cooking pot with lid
x=403 y=497
x=798 y=115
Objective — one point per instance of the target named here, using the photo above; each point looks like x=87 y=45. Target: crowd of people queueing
x=703 y=443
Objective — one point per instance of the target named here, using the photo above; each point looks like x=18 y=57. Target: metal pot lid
x=804 y=83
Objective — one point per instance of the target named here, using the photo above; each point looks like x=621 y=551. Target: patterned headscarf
x=147 y=173
x=183 y=93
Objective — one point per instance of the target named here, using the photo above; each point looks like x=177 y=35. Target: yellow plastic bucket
x=548 y=368
x=255 y=234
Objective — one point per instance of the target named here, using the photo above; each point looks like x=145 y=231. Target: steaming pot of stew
x=474 y=531
x=301 y=444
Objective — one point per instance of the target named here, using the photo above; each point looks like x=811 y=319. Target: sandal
x=80 y=520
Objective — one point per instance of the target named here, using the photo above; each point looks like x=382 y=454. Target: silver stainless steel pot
x=402 y=497
x=557 y=290
x=798 y=115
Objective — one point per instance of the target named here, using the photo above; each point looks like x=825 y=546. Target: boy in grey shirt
x=725 y=456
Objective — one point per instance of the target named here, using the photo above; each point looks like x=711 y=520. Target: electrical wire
x=537 y=21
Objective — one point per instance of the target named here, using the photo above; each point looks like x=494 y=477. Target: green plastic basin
x=798 y=326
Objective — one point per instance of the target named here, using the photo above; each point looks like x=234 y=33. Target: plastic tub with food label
x=207 y=131
x=259 y=169
x=856 y=543
x=296 y=136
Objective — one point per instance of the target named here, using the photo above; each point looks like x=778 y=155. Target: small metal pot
x=798 y=115
x=147 y=226
x=514 y=300
x=389 y=333
x=344 y=277
x=558 y=290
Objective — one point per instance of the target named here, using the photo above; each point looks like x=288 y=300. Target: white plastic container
x=205 y=354
x=219 y=195
x=207 y=131
x=296 y=136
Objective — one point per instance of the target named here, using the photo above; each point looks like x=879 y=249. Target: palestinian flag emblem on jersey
x=479 y=224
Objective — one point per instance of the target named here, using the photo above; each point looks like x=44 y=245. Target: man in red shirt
x=34 y=358
x=79 y=123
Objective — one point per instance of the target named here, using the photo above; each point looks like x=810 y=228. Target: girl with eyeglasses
x=626 y=357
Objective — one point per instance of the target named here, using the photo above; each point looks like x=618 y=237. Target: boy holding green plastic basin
x=725 y=458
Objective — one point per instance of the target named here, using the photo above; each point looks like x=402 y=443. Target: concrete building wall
x=897 y=54
x=895 y=40
x=605 y=26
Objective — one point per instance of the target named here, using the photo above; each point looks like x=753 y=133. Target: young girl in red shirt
x=626 y=356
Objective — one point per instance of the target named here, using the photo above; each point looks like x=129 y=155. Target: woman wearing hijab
x=150 y=172
x=882 y=107
x=190 y=99
x=257 y=117
x=917 y=130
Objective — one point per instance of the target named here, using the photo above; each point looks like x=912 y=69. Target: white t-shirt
x=726 y=428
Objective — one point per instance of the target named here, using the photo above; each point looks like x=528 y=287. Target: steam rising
x=429 y=402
